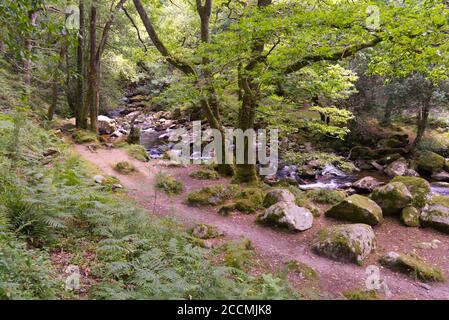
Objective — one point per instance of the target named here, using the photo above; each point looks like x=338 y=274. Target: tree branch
x=346 y=52
x=135 y=27
x=184 y=67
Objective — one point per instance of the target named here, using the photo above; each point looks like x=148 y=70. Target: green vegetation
x=125 y=167
x=205 y=174
x=326 y=196
x=168 y=184
x=84 y=136
x=136 y=151
x=238 y=253
x=361 y=295
x=320 y=159
x=415 y=266
x=52 y=208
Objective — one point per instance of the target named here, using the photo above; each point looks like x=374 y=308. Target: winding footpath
x=274 y=246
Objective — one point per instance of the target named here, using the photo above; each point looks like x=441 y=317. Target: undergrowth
x=53 y=205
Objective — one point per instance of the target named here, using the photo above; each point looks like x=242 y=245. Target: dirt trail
x=274 y=246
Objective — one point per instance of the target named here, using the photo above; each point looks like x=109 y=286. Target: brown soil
x=275 y=247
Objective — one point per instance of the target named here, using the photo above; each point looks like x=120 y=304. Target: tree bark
x=250 y=100
x=32 y=16
x=210 y=105
x=421 y=124
x=80 y=67
x=56 y=81
x=386 y=121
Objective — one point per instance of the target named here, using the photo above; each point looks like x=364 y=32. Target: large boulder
x=348 y=243
x=436 y=213
x=397 y=168
x=357 y=208
x=278 y=195
x=418 y=187
x=430 y=161
x=392 y=197
x=391 y=143
x=106 y=125
x=288 y=215
x=366 y=184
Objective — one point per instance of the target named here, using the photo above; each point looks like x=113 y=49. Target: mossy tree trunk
x=250 y=97
x=210 y=103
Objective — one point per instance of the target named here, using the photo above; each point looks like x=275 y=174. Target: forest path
x=274 y=246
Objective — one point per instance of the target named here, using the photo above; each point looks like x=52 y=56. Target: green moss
x=326 y=196
x=168 y=184
x=415 y=266
x=430 y=161
x=213 y=195
x=392 y=197
x=204 y=231
x=227 y=209
x=360 y=295
x=136 y=151
x=84 y=136
x=205 y=175
x=410 y=217
x=357 y=208
x=302 y=200
x=306 y=271
x=124 y=167
x=418 y=187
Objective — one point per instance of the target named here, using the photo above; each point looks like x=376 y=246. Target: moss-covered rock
x=361 y=295
x=418 y=187
x=436 y=214
x=410 y=217
x=430 y=161
x=278 y=195
x=326 y=196
x=391 y=143
x=204 y=231
x=397 y=168
x=204 y=174
x=288 y=215
x=392 y=197
x=413 y=265
x=348 y=242
x=366 y=184
x=213 y=195
x=357 y=208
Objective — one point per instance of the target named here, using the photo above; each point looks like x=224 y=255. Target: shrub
x=124 y=167
x=168 y=184
x=238 y=253
x=205 y=175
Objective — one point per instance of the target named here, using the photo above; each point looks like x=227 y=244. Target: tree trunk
x=386 y=121
x=80 y=67
x=56 y=82
x=421 y=125
x=247 y=172
x=32 y=16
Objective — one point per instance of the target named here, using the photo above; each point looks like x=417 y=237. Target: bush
x=168 y=184
x=124 y=167
x=205 y=175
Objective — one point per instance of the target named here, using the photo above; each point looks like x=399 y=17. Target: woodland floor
x=275 y=247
